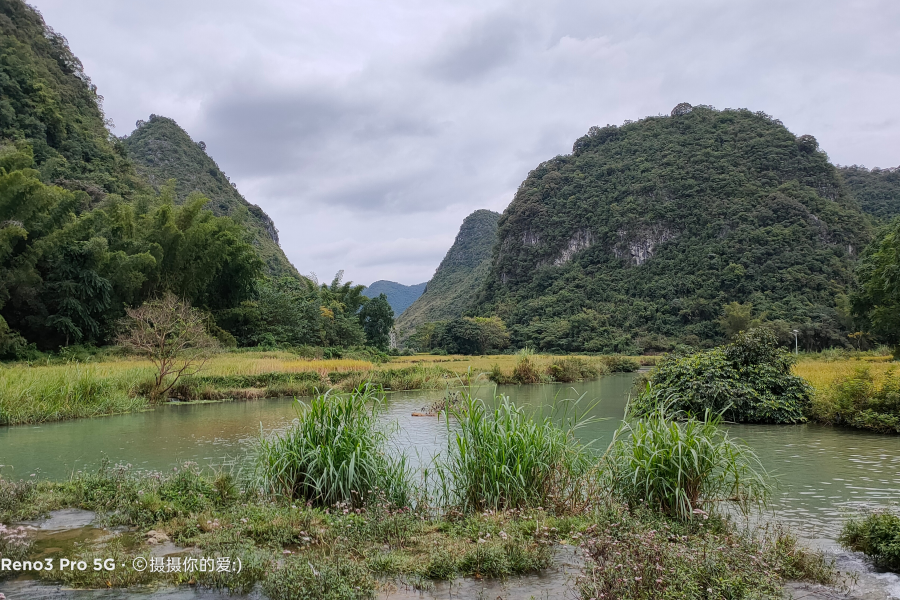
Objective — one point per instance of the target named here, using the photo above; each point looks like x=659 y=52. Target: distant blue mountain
x=399 y=296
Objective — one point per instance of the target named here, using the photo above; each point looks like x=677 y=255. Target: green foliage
x=466 y=335
x=506 y=459
x=736 y=318
x=572 y=368
x=47 y=101
x=336 y=579
x=683 y=469
x=642 y=558
x=856 y=401
x=651 y=228
x=70 y=277
x=747 y=381
x=161 y=151
x=83 y=235
x=876 y=190
x=282 y=312
x=620 y=364
x=877 y=535
x=31 y=396
x=877 y=302
x=452 y=290
x=335 y=451
x=377 y=320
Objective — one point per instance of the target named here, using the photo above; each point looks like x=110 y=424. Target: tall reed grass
x=39 y=394
x=683 y=468
x=506 y=459
x=335 y=451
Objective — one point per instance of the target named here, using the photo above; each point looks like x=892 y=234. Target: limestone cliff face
x=460 y=275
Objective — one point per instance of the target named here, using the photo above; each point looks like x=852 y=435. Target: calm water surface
x=823 y=473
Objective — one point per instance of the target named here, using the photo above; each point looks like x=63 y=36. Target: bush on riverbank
x=335 y=451
x=747 y=381
x=643 y=557
x=877 y=535
x=563 y=369
x=859 y=400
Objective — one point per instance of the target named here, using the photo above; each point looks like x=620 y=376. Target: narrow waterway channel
x=824 y=474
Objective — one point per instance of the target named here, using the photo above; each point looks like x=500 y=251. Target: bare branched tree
x=172 y=335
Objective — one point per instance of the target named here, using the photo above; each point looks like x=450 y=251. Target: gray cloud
x=474 y=51
x=369 y=130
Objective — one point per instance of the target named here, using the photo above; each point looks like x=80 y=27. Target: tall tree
x=877 y=303
x=377 y=319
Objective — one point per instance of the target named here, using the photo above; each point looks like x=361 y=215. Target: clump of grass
x=877 y=535
x=504 y=458
x=526 y=369
x=335 y=579
x=39 y=394
x=683 y=469
x=621 y=364
x=641 y=557
x=416 y=377
x=14 y=543
x=860 y=400
x=335 y=451
x=574 y=368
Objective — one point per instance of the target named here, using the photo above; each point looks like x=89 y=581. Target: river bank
x=42 y=393
x=286 y=548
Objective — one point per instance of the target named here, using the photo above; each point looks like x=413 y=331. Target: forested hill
x=457 y=279
x=83 y=235
x=876 y=190
x=641 y=236
x=47 y=102
x=399 y=296
x=162 y=150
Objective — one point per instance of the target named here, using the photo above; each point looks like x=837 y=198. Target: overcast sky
x=369 y=130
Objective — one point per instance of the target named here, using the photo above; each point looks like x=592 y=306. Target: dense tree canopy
x=876 y=190
x=640 y=237
x=66 y=276
x=877 y=302
x=163 y=151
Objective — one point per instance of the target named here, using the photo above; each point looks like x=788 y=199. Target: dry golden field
x=821 y=373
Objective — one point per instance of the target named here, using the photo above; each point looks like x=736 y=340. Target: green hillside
x=83 y=235
x=399 y=296
x=48 y=102
x=641 y=236
x=457 y=279
x=162 y=150
x=876 y=190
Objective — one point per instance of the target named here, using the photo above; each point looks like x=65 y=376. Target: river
x=823 y=474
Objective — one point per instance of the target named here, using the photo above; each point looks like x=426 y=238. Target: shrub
x=300 y=579
x=335 y=451
x=620 y=364
x=504 y=459
x=877 y=535
x=572 y=368
x=683 y=468
x=526 y=370
x=858 y=401
x=747 y=381
x=640 y=558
